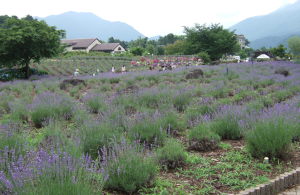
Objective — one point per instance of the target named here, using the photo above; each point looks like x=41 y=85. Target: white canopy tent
x=263 y=56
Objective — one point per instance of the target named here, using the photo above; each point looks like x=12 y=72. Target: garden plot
x=151 y=132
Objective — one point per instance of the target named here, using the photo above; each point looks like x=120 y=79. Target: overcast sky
x=150 y=17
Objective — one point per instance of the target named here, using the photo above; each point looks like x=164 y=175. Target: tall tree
x=214 y=39
x=25 y=40
x=279 y=51
x=294 y=45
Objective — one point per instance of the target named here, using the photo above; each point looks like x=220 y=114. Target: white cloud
x=155 y=17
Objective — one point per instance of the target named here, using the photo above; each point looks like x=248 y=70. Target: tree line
x=25 y=40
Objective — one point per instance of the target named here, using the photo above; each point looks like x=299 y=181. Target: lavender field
x=191 y=130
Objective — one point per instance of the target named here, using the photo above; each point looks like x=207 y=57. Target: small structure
x=80 y=44
x=241 y=39
x=94 y=44
x=109 y=48
x=263 y=57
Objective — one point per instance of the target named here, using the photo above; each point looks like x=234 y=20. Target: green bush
x=172 y=124
x=96 y=136
x=4 y=103
x=153 y=99
x=95 y=103
x=19 y=111
x=171 y=155
x=129 y=171
x=51 y=106
x=205 y=57
x=181 y=101
x=270 y=138
x=194 y=113
x=12 y=140
x=227 y=127
x=201 y=138
x=148 y=131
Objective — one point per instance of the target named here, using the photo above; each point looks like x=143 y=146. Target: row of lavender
x=117 y=130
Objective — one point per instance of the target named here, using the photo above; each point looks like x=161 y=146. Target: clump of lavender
x=95 y=103
x=127 y=167
x=45 y=172
x=48 y=106
x=229 y=122
x=148 y=129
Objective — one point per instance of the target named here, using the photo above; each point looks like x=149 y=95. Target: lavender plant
x=48 y=106
x=202 y=138
x=127 y=168
x=148 y=130
x=172 y=155
x=42 y=172
x=95 y=103
x=270 y=138
x=96 y=136
x=226 y=122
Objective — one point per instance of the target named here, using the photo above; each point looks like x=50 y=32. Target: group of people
x=123 y=69
x=113 y=70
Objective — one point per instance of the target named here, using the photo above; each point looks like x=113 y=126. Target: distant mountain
x=272 y=29
x=88 y=25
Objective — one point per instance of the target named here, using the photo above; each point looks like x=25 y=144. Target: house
x=80 y=44
x=242 y=41
x=88 y=45
x=109 y=47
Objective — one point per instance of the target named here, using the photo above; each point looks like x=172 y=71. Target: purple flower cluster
x=16 y=171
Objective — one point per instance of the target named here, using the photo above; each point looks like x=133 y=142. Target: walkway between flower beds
x=293 y=191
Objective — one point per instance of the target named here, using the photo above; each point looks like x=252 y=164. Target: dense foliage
x=25 y=40
x=214 y=39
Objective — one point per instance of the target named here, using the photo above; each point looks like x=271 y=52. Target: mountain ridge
x=281 y=23
x=89 y=25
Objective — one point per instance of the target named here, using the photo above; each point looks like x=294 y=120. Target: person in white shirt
x=123 y=69
x=76 y=73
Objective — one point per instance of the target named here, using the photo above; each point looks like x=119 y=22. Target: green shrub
x=4 y=103
x=232 y=75
x=205 y=57
x=129 y=171
x=12 y=140
x=148 y=131
x=153 y=99
x=114 y=80
x=282 y=95
x=171 y=155
x=227 y=127
x=270 y=138
x=95 y=103
x=53 y=137
x=19 y=111
x=201 y=138
x=96 y=136
x=181 y=101
x=172 y=124
x=194 y=113
x=48 y=106
x=267 y=101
